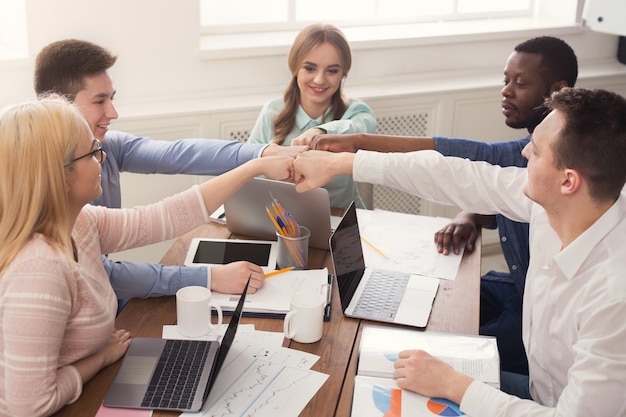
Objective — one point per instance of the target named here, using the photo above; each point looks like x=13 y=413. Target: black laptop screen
x=227 y=340
x=347 y=255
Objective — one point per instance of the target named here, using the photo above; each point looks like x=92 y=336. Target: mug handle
x=219 y=315
x=289 y=334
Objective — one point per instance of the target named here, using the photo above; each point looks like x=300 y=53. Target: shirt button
x=503 y=238
x=514 y=267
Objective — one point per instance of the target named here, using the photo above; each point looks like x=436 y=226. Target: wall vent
x=388 y=198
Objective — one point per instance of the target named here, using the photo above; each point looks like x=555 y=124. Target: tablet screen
x=215 y=252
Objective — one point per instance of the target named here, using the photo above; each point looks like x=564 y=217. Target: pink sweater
x=54 y=312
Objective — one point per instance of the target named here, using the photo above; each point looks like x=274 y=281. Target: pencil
x=278 y=271
x=273 y=219
x=374 y=247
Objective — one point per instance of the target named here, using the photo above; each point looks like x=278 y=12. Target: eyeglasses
x=97 y=152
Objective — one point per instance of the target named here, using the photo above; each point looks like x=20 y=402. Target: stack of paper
x=259 y=377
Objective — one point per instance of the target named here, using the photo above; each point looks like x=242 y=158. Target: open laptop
x=377 y=294
x=246 y=215
x=137 y=382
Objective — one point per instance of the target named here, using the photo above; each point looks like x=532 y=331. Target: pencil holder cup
x=293 y=251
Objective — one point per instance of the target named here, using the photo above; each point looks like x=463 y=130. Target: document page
x=376 y=393
x=276 y=292
x=405 y=242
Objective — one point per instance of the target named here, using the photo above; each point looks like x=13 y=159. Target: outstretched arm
x=313 y=169
x=370 y=142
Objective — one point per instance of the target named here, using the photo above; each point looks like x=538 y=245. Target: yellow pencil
x=374 y=247
x=273 y=219
x=278 y=271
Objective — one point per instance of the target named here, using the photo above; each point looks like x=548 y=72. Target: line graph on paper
x=262 y=389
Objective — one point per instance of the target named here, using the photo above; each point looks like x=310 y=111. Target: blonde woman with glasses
x=57 y=307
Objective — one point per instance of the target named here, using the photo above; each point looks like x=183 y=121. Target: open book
x=274 y=297
x=375 y=390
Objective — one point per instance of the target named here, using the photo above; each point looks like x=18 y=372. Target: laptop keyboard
x=176 y=376
x=381 y=295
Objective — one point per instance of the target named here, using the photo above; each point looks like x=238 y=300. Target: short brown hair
x=61 y=67
x=593 y=141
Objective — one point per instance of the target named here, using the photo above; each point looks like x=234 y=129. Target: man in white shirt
x=574 y=330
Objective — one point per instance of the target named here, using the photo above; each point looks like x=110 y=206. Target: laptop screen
x=347 y=255
x=229 y=337
x=246 y=214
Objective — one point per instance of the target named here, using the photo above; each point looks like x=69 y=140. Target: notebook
x=195 y=362
x=373 y=293
x=246 y=215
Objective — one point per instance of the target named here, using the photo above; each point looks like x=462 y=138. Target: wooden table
x=456 y=310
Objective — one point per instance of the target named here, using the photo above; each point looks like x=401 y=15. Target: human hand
x=333 y=143
x=312 y=169
x=462 y=229
x=279 y=167
x=306 y=137
x=274 y=149
x=418 y=371
x=231 y=278
x=117 y=346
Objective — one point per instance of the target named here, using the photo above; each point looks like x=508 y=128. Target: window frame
x=548 y=18
x=294 y=25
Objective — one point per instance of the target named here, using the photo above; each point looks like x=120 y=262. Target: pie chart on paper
x=443 y=407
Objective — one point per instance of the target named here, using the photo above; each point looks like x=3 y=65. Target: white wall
x=167 y=89
x=160 y=68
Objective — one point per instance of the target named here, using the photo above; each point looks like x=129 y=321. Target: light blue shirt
x=358 y=118
x=142 y=155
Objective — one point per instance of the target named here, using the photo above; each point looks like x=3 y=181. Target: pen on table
x=278 y=271
x=374 y=247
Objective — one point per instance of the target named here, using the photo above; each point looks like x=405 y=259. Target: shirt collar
x=572 y=257
x=305 y=122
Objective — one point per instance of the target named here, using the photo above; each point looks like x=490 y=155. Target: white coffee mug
x=305 y=319
x=193 y=311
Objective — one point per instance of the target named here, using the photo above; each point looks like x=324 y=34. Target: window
x=247 y=28
x=218 y=16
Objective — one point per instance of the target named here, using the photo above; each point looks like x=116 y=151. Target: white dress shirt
x=574 y=317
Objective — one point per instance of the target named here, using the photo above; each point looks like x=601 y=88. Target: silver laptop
x=246 y=215
x=176 y=375
x=372 y=293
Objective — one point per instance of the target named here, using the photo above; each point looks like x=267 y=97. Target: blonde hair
x=309 y=38
x=37 y=140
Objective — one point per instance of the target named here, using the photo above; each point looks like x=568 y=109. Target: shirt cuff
x=261 y=153
x=369 y=167
x=208 y=277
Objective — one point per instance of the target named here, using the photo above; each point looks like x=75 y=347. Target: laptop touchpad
x=417 y=300
x=136 y=370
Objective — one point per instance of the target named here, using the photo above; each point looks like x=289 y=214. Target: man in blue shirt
x=79 y=70
x=535 y=69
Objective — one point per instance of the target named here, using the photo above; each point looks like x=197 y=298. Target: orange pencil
x=278 y=271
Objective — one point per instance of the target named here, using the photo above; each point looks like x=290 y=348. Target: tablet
x=206 y=251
